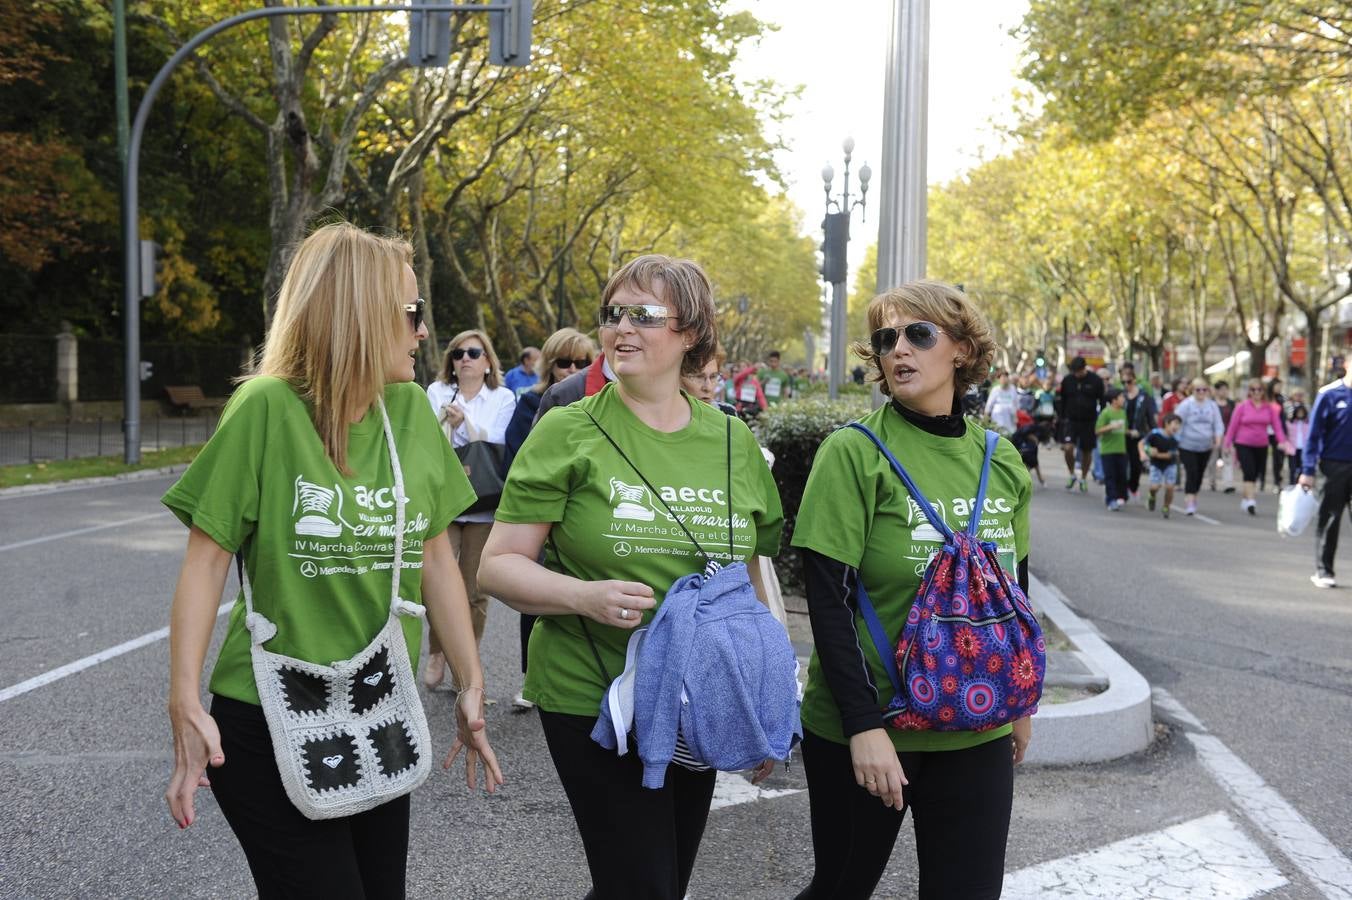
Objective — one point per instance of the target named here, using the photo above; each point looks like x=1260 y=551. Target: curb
x=54 y=487
x=1113 y=724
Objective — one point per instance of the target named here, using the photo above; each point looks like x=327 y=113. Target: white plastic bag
x=1295 y=510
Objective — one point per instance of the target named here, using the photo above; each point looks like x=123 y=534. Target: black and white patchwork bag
x=350 y=735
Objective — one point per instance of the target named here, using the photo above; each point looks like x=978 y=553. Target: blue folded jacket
x=715 y=665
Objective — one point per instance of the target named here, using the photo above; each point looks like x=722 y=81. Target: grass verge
x=92 y=467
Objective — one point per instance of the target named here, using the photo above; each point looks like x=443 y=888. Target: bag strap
x=400 y=501
x=992 y=438
x=879 y=635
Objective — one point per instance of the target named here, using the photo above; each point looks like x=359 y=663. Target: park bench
x=189 y=397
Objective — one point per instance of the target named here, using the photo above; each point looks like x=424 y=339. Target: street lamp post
x=836 y=229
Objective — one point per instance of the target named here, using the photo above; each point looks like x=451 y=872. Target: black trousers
x=640 y=843
x=960 y=803
x=1252 y=461
x=1114 y=476
x=359 y=857
x=1337 y=493
x=1134 y=465
x=1194 y=467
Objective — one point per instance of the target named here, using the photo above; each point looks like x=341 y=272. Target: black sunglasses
x=920 y=335
x=572 y=363
x=415 y=312
x=460 y=353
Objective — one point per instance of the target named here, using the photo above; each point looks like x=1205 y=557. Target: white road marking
x=731 y=789
x=78 y=531
x=1315 y=855
x=80 y=665
x=1207 y=857
x=1206 y=519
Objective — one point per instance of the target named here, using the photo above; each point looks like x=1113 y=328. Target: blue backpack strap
x=939 y=524
x=992 y=438
x=879 y=635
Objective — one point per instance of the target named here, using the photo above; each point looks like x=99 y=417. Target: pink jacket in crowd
x=1249 y=425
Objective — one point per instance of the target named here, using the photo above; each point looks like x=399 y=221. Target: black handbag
x=485 y=467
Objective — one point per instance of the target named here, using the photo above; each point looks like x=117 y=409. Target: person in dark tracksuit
x=1328 y=449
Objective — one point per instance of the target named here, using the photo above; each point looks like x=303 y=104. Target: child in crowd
x=1160 y=451
x=1297 y=432
x=1111 y=429
x=1026 y=439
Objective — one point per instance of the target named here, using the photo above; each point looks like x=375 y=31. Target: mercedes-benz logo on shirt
x=309 y=569
x=622 y=548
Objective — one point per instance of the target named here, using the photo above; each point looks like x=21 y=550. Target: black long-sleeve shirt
x=834 y=610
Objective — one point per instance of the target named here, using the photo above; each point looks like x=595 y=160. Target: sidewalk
x=1113 y=723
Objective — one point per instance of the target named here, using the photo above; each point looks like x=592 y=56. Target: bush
x=793 y=430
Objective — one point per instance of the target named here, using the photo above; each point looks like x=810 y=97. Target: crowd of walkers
x=595 y=488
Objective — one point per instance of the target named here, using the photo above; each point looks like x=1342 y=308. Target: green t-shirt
x=1112 y=441
x=607 y=523
x=318 y=544
x=857 y=511
x=777 y=384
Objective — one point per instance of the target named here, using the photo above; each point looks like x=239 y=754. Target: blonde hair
x=491 y=377
x=683 y=285
x=337 y=318
x=953 y=311
x=566 y=342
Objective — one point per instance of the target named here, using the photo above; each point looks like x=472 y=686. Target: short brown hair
x=683 y=285
x=949 y=308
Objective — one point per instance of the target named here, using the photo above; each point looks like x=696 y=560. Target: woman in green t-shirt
x=857 y=523
x=613 y=544
x=298 y=478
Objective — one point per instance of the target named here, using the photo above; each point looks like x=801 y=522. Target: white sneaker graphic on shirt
x=633 y=501
x=318 y=504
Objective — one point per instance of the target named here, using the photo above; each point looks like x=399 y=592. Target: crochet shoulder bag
x=350 y=735
x=971 y=656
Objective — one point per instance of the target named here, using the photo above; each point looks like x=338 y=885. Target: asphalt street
x=1221 y=615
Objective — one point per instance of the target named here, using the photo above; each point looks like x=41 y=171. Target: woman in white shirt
x=1002 y=406
x=472 y=405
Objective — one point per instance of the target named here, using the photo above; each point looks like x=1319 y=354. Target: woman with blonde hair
x=1201 y=434
x=318 y=455
x=929 y=343
x=472 y=405
x=566 y=351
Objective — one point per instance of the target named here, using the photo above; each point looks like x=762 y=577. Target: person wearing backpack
x=614 y=488
x=859 y=524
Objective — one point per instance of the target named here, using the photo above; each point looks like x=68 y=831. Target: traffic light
x=149 y=268
x=1041 y=359
x=836 y=230
x=429 y=37
x=509 y=34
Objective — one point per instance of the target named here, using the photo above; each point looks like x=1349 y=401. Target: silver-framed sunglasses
x=641 y=315
x=920 y=335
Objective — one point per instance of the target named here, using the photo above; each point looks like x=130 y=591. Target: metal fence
x=46 y=442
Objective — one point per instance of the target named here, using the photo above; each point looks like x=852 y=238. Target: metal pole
x=131 y=383
x=901 y=228
x=836 y=374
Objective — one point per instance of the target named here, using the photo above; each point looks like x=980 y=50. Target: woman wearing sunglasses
x=472 y=405
x=1248 y=434
x=606 y=516
x=929 y=343
x=300 y=464
x=565 y=352
x=1201 y=434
